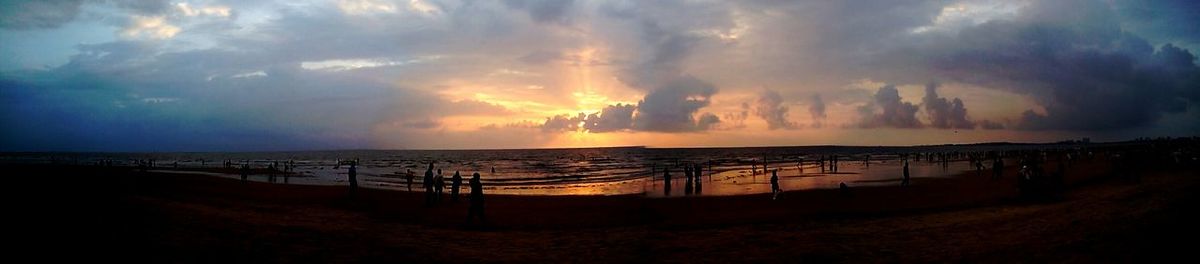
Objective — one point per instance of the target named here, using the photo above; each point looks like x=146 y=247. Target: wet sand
x=160 y=217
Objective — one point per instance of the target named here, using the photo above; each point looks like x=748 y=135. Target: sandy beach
x=160 y=217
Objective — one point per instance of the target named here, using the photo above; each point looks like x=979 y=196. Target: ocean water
x=582 y=171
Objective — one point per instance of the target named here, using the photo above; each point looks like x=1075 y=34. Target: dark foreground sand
x=117 y=214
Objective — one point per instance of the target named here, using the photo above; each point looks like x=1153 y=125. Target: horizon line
x=1067 y=141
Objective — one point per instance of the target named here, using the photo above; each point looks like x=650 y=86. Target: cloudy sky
x=93 y=75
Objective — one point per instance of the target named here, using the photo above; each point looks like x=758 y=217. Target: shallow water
x=591 y=171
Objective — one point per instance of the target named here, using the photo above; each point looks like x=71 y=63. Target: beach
x=169 y=217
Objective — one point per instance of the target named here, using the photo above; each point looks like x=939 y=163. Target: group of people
x=435 y=183
x=274 y=169
x=692 y=183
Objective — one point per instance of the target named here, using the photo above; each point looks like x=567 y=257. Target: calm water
x=590 y=171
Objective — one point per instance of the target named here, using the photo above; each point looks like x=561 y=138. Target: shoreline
x=196 y=218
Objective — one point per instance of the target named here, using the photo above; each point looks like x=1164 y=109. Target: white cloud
x=356 y=7
x=958 y=15
x=214 y=10
x=250 y=74
x=150 y=27
x=354 y=64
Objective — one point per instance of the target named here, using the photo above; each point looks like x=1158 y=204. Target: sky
x=120 y=75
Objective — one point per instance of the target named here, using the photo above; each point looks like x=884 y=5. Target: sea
x=575 y=171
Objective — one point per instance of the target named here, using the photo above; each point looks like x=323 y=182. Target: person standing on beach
x=905 y=182
x=439 y=183
x=476 y=208
x=688 y=186
x=408 y=177
x=764 y=164
x=455 y=184
x=835 y=163
x=271 y=173
x=800 y=165
x=667 y=181
x=697 y=173
x=775 y=185
x=245 y=172
x=997 y=167
x=428 y=183
x=353 y=175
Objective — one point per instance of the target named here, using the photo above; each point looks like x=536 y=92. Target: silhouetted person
x=835 y=163
x=979 y=166
x=271 y=173
x=998 y=168
x=688 y=184
x=476 y=208
x=493 y=169
x=428 y=183
x=286 y=172
x=245 y=171
x=697 y=173
x=764 y=165
x=455 y=184
x=775 y=185
x=353 y=173
x=666 y=181
x=408 y=177
x=439 y=183
x=906 y=181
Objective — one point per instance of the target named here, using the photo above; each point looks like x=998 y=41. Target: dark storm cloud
x=886 y=110
x=1163 y=20
x=770 y=108
x=944 y=113
x=618 y=117
x=612 y=118
x=664 y=64
x=37 y=14
x=816 y=110
x=560 y=123
x=1072 y=57
x=663 y=44
x=672 y=107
